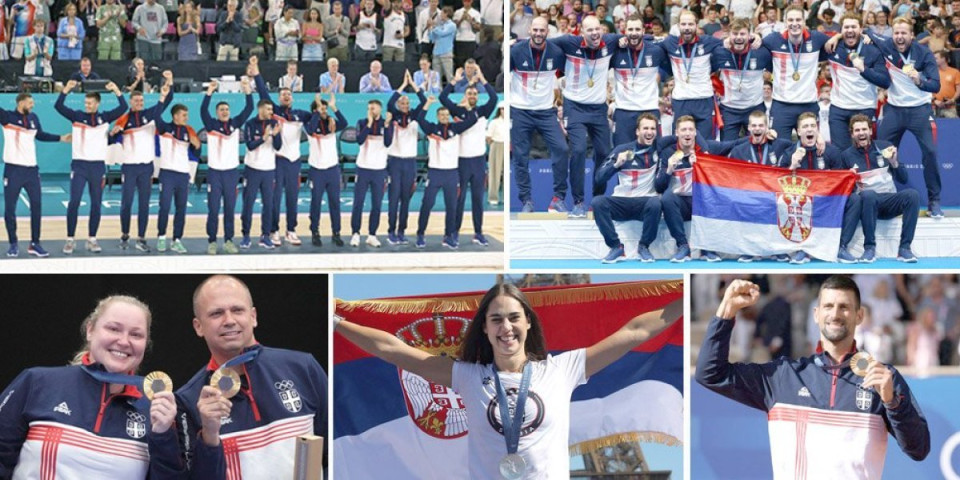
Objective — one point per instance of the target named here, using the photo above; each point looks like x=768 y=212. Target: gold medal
x=686 y=78
x=156 y=382
x=796 y=76
x=909 y=68
x=887 y=153
x=227 y=381
x=590 y=82
x=853 y=56
x=859 y=363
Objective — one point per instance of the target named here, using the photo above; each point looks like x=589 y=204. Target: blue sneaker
x=557 y=205
x=783 y=257
x=710 y=256
x=393 y=239
x=747 y=259
x=36 y=250
x=403 y=239
x=579 y=211
x=615 y=255
x=14 y=250
x=527 y=207
x=266 y=243
x=479 y=239
x=869 y=255
x=844 y=256
x=420 y=241
x=799 y=258
x=906 y=256
x=682 y=255
x=934 y=210
x=245 y=243
x=644 y=255
x=456 y=237
x=450 y=242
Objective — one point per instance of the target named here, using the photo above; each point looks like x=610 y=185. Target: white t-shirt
x=546 y=417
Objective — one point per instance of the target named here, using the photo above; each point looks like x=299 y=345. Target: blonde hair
x=91 y=321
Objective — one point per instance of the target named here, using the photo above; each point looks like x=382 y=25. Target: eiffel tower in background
x=545 y=279
x=623 y=461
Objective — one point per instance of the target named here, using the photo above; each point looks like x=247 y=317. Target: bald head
x=591 y=31
x=214 y=282
x=538 y=32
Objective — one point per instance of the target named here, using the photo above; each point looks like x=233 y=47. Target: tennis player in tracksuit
x=634 y=197
x=741 y=70
x=442 y=168
x=223 y=160
x=262 y=134
x=472 y=163
x=584 y=109
x=88 y=168
x=401 y=161
x=879 y=167
x=179 y=156
x=796 y=54
x=324 y=163
x=825 y=421
x=534 y=64
x=857 y=70
x=21 y=127
x=137 y=130
x=636 y=88
x=375 y=136
x=291 y=121
x=913 y=77
x=690 y=60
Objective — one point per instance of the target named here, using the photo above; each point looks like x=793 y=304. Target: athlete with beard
x=913 y=77
x=844 y=417
x=690 y=61
x=796 y=54
x=584 y=109
x=636 y=65
x=741 y=70
x=806 y=155
x=878 y=166
x=534 y=64
x=857 y=70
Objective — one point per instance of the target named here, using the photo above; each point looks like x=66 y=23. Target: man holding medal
x=878 y=166
x=584 y=109
x=282 y=393
x=842 y=400
x=534 y=64
x=634 y=197
x=796 y=54
x=857 y=70
x=636 y=65
x=741 y=70
x=690 y=60
x=914 y=76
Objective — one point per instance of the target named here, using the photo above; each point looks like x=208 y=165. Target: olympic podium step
x=554 y=236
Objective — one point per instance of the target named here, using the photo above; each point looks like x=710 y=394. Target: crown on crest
x=792 y=184
x=437 y=335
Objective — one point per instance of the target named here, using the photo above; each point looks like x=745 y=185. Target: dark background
x=41 y=315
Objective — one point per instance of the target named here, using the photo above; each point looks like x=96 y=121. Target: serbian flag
x=389 y=423
x=751 y=209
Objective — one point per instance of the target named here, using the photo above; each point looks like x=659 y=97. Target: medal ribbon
x=687 y=61
x=746 y=63
x=795 y=56
x=753 y=154
x=241 y=359
x=538 y=64
x=511 y=426
x=635 y=63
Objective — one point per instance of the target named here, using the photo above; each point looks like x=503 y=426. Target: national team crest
x=809 y=47
x=136 y=425
x=649 y=60
x=549 y=64
x=821 y=164
x=700 y=50
x=773 y=159
x=794 y=208
x=880 y=162
x=289 y=396
x=436 y=409
x=864 y=399
x=753 y=64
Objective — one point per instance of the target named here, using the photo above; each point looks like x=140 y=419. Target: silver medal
x=512 y=467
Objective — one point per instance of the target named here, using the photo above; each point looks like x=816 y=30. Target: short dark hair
x=136 y=93
x=23 y=96
x=222 y=103
x=264 y=101
x=646 y=116
x=476 y=347
x=375 y=102
x=178 y=108
x=841 y=282
x=93 y=95
x=859 y=118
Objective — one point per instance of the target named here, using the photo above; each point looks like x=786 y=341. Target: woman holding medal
x=503 y=362
x=89 y=419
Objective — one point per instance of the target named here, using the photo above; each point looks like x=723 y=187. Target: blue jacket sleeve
x=455 y=110
x=277 y=139
x=930 y=79
x=13 y=426
x=487 y=109
x=719 y=147
x=311 y=126
x=426 y=125
x=205 y=462
x=262 y=90
x=469 y=120
x=208 y=121
x=876 y=72
x=114 y=114
x=341 y=120
x=388 y=134
x=900 y=174
x=67 y=112
x=155 y=111
x=166 y=461
x=248 y=132
x=362 y=131
x=42 y=135
x=608 y=170
x=392 y=103
x=245 y=113
x=748 y=383
x=906 y=422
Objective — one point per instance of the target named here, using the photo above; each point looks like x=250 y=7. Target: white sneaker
x=275 y=238
x=293 y=239
x=355 y=240
x=373 y=241
x=69 y=246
